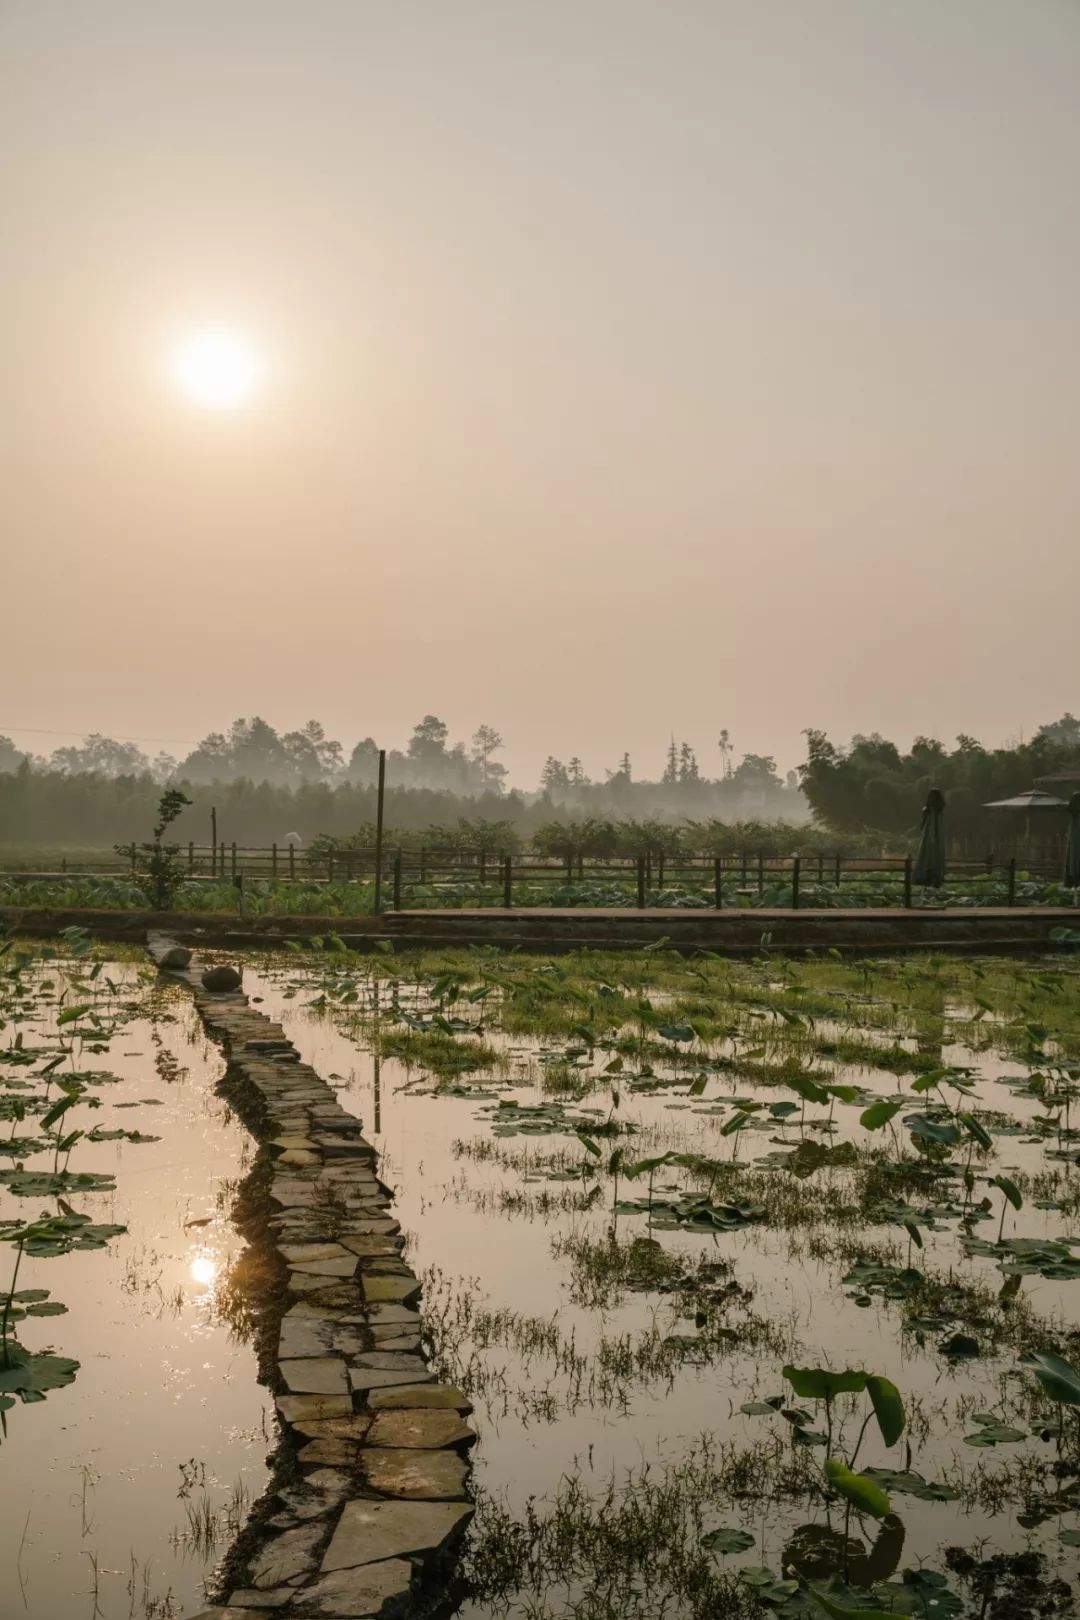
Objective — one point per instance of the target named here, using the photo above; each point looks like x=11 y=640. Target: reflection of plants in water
x=631 y=1550
x=167 y=1064
x=460 y=1332
x=207 y=1524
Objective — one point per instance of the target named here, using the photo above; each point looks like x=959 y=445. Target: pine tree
x=554 y=775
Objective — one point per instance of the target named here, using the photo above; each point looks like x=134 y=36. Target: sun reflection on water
x=204 y=1268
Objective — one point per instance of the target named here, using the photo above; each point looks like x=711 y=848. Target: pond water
x=123 y=1488
x=622 y=1359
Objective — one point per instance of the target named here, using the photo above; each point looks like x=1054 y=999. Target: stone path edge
x=369 y=1521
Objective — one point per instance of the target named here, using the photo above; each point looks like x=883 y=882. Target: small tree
x=158 y=869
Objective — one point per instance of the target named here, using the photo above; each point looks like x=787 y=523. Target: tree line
x=253 y=751
x=265 y=786
x=873 y=785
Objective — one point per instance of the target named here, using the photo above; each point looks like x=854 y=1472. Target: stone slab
x=290 y=1553
x=391 y=1360
x=339 y=1265
x=368 y=1531
x=377 y=1590
x=247 y=1600
x=394 y=1313
x=386 y=1377
x=326 y=1451
x=232 y=1611
x=373 y=1243
x=315 y=1375
x=425 y=1475
x=340 y=1428
x=304 y=1338
x=424 y=1395
x=308 y=1307
x=415 y=1429
x=338 y=1296
x=308 y=1501
x=294 y=1408
x=391 y=1290
x=298 y=1254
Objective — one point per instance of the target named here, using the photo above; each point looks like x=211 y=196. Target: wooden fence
x=419 y=876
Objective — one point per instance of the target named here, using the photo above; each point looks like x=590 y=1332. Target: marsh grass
x=512 y=1361
x=635 y=1304
x=629 y=1547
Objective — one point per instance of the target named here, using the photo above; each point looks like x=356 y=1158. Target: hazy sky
x=630 y=367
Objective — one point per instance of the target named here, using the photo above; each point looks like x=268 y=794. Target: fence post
x=838 y=860
x=273 y=862
x=232 y=868
x=190 y=856
x=760 y=873
x=423 y=865
x=483 y=864
x=397 y=881
x=907 y=882
x=329 y=866
x=641 y=882
x=718 y=880
x=376 y=904
x=796 y=865
x=660 y=870
x=1012 y=881
x=742 y=879
x=292 y=862
x=508 y=881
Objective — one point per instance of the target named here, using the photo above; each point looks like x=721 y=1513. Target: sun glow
x=219 y=370
x=204 y=1269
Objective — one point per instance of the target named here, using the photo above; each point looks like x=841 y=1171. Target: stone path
x=370 y=1524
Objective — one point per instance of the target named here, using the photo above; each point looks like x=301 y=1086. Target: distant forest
x=871 y=785
x=266 y=785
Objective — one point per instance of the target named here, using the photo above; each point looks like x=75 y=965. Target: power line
x=52 y=731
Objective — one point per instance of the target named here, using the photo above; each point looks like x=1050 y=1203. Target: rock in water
x=222 y=978
x=166 y=953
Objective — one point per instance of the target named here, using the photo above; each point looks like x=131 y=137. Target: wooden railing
x=425 y=876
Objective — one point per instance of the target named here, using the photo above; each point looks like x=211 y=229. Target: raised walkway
x=736 y=931
x=374 y=1450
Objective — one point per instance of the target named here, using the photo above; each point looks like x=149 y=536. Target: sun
x=217 y=369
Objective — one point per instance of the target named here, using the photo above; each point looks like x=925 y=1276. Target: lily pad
x=727 y=1540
